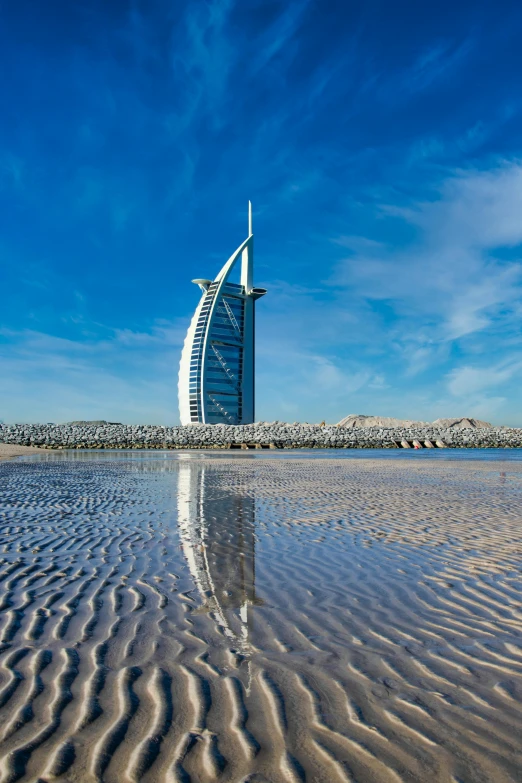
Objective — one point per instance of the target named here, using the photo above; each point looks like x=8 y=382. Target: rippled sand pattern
x=260 y=620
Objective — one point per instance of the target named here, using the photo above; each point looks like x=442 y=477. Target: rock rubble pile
x=274 y=435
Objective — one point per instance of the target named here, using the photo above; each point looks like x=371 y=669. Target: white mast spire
x=247 y=257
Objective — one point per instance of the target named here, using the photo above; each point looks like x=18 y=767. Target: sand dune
x=278 y=620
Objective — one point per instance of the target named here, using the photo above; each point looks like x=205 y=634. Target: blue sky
x=380 y=143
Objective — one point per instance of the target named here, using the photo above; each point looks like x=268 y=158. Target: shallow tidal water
x=298 y=616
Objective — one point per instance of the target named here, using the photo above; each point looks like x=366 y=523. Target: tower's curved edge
x=184 y=367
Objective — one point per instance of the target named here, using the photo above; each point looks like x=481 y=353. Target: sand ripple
x=172 y=620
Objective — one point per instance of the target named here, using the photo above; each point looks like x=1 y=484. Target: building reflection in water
x=217 y=531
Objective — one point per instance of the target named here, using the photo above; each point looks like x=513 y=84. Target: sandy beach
x=184 y=617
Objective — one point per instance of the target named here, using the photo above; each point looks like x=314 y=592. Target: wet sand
x=184 y=618
x=8 y=450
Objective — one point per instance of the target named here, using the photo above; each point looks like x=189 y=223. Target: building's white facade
x=216 y=373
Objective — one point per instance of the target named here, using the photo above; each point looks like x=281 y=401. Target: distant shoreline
x=275 y=435
x=9 y=450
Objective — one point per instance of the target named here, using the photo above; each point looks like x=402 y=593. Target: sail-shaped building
x=216 y=373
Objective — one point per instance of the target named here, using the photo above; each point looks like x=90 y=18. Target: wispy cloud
x=467 y=381
x=119 y=375
x=452 y=271
x=279 y=36
x=203 y=56
x=436 y=61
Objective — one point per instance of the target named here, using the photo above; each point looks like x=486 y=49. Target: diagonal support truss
x=232 y=318
x=222 y=410
x=230 y=375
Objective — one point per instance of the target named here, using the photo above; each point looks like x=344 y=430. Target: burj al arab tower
x=216 y=372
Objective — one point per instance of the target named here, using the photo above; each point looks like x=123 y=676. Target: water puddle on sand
x=318 y=617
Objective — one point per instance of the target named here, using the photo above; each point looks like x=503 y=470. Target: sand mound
x=356 y=421
x=462 y=424
x=94 y=423
x=8 y=450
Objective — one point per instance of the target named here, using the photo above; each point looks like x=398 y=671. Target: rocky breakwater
x=103 y=435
